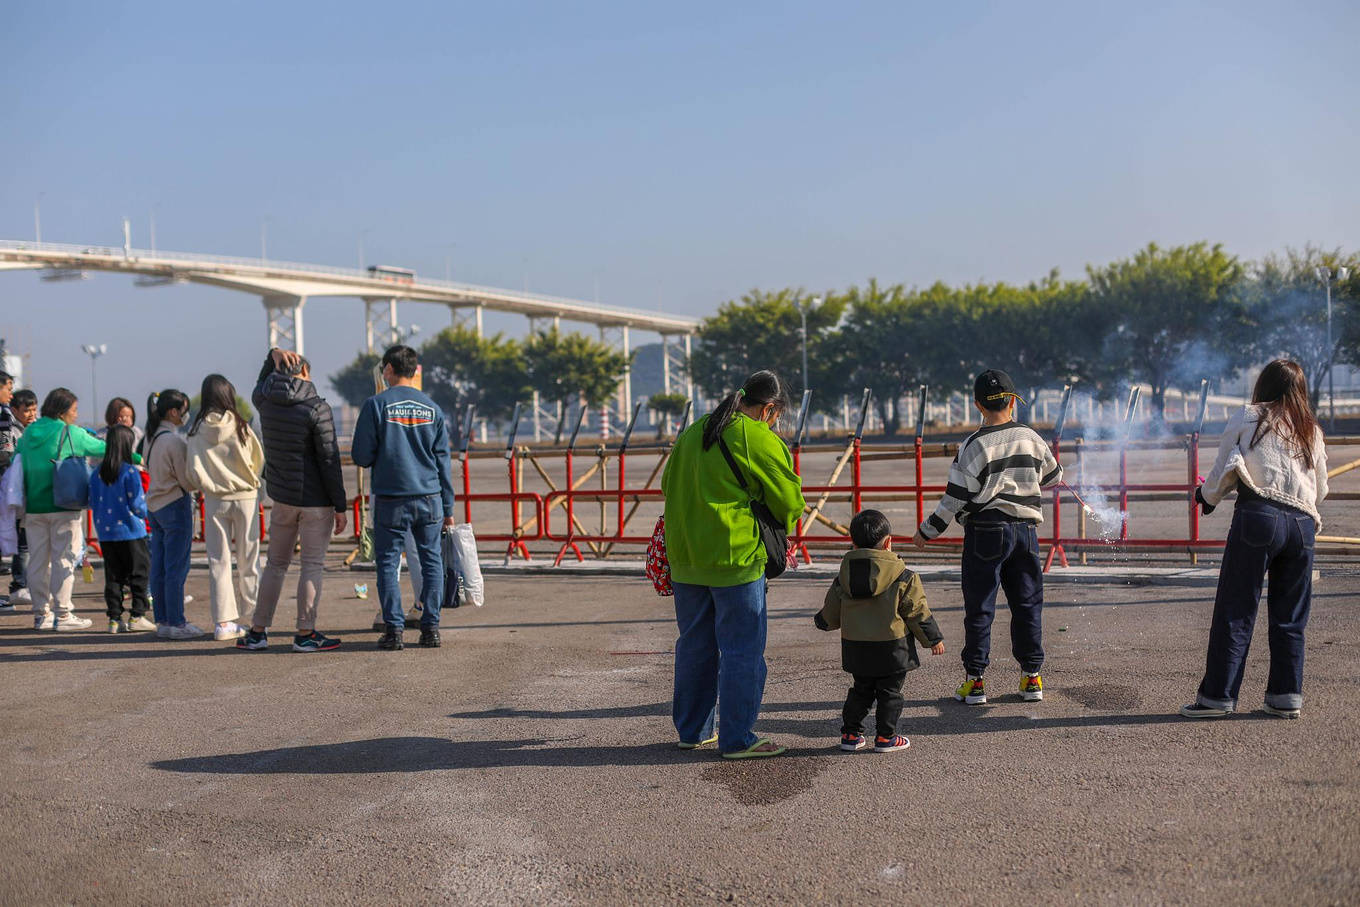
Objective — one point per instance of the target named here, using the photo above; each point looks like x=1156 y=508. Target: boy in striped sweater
x=994 y=492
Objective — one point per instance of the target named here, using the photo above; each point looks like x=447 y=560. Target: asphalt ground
x=532 y=759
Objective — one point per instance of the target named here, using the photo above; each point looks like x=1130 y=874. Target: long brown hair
x=1282 y=392
x=219 y=396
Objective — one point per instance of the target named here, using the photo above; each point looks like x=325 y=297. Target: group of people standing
x=1272 y=454
x=141 y=499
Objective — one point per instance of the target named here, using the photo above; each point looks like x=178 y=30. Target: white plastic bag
x=471 y=590
x=11 y=506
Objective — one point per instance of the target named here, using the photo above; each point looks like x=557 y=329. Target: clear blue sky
x=674 y=155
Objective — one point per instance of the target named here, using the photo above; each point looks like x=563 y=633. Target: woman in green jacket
x=717 y=563
x=56 y=537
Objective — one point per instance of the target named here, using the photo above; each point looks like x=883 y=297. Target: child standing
x=118 y=508
x=170 y=502
x=994 y=491
x=879 y=606
x=225 y=462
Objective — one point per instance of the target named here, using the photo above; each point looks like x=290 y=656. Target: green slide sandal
x=758 y=750
x=693 y=746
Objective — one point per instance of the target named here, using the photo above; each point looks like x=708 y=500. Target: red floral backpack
x=658 y=567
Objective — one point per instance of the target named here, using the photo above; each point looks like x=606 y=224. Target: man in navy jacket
x=402 y=436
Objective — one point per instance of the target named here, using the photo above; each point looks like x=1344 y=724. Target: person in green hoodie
x=56 y=537
x=878 y=605
x=717 y=562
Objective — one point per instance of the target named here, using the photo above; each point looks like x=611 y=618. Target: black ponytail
x=761 y=389
x=157 y=405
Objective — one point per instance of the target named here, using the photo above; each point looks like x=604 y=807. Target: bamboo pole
x=576 y=523
x=816 y=510
x=637 y=502
x=1333 y=473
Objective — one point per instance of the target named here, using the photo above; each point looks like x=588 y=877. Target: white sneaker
x=7 y=607
x=139 y=625
x=229 y=630
x=188 y=598
x=188 y=631
x=20 y=597
x=71 y=622
x=44 y=621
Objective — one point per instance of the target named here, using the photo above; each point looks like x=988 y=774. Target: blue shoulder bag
x=70 y=477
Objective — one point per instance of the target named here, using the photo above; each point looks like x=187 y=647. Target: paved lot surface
x=532 y=759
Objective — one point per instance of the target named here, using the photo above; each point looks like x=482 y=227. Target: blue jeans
x=1265 y=538
x=172 y=534
x=1002 y=556
x=719 y=662
x=422 y=516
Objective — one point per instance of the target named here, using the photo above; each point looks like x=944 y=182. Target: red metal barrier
x=520 y=499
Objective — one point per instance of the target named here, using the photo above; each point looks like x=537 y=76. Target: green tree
x=666 y=406
x=1042 y=333
x=762 y=331
x=562 y=367
x=1177 y=314
x=1289 y=307
x=243 y=407
x=879 y=344
x=354 y=382
x=460 y=367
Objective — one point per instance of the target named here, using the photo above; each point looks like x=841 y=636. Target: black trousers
x=126 y=564
x=887 y=691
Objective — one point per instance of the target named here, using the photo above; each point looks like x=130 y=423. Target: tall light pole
x=362 y=234
x=94 y=351
x=1324 y=274
x=37 y=217
x=802 y=315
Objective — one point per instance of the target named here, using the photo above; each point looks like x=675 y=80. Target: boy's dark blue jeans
x=1265 y=539
x=1002 y=555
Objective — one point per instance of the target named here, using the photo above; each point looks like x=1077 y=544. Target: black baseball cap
x=994 y=384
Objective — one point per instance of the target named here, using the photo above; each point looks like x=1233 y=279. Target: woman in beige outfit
x=225 y=462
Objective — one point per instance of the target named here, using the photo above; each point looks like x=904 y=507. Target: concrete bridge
x=285 y=287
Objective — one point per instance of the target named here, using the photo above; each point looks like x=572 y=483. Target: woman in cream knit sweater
x=225 y=463
x=1272 y=453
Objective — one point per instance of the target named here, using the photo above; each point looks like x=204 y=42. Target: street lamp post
x=1324 y=274
x=94 y=351
x=802 y=315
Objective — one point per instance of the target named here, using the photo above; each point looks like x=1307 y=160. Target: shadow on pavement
x=425 y=754
x=656 y=709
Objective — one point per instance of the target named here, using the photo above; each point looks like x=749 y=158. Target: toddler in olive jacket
x=880 y=608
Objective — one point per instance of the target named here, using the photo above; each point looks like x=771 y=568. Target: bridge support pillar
x=284 y=314
x=617 y=336
x=689 y=382
x=467 y=316
x=380 y=323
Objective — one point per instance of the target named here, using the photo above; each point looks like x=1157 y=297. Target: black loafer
x=429 y=638
x=391 y=640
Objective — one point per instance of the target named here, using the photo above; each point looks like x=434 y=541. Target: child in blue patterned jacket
x=118 y=508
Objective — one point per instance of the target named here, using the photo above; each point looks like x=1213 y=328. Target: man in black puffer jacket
x=303 y=477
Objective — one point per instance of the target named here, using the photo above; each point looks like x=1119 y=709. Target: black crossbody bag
x=772 y=532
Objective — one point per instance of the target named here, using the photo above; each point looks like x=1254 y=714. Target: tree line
x=459 y=368
x=1167 y=317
